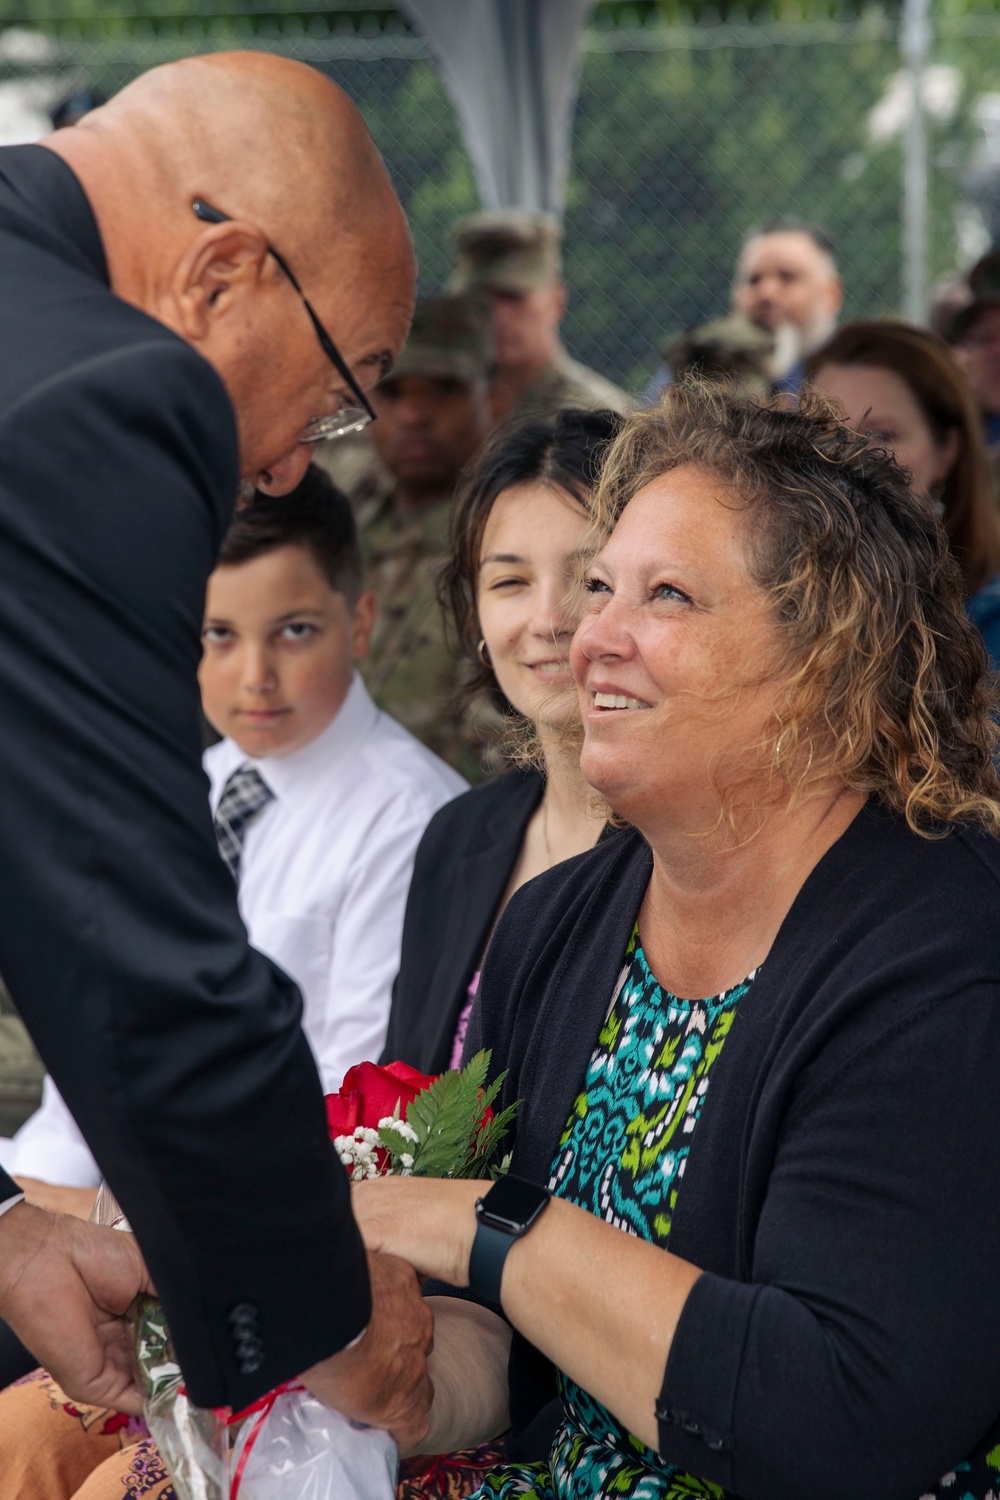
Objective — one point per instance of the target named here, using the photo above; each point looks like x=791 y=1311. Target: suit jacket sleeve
x=176 y=1046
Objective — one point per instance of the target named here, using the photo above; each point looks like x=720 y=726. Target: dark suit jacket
x=460 y=873
x=841 y=1189
x=178 y=1048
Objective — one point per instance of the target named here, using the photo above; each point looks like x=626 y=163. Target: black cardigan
x=842 y=1193
x=463 y=864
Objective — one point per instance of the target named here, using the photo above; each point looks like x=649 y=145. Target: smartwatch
x=506 y=1213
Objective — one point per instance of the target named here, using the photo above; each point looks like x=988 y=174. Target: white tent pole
x=915 y=46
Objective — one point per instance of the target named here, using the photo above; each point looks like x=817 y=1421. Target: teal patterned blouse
x=622 y=1156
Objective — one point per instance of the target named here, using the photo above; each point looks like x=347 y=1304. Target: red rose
x=370 y=1093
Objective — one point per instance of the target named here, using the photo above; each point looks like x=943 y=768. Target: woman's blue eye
x=596 y=586
x=668 y=591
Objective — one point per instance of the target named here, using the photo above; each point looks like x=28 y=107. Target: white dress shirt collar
x=292 y=777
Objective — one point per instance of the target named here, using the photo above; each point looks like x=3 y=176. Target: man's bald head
x=285 y=155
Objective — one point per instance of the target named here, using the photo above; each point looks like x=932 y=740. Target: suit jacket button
x=247 y=1342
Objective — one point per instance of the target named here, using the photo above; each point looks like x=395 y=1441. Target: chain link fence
x=686 y=138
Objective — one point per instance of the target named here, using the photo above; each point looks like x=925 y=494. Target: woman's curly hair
x=887 y=681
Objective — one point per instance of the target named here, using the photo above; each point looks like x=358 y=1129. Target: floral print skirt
x=52 y=1448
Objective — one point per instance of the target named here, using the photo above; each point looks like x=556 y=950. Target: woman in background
x=517 y=529
x=902 y=385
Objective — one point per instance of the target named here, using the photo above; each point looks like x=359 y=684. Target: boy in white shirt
x=319 y=798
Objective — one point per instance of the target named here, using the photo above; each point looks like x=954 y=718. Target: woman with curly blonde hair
x=750 y=1232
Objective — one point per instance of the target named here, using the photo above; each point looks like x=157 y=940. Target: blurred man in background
x=787 y=283
x=975 y=336
x=435 y=411
x=515 y=258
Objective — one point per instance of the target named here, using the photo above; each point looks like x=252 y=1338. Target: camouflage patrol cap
x=513 y=250
x=984 y=284
x=730 y=348
x=451 y=338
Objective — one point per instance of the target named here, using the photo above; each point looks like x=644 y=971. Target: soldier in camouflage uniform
x=434 y=411
x=515 y=257
x=730 y=349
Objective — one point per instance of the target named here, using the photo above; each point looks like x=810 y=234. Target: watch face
x=513 y=1202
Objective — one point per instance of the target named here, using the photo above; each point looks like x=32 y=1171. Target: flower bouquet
x=390 y=1120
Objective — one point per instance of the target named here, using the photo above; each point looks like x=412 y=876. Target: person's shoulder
x=934 y=854
x=148 y=386
x=586 y=387
x=401 y=766
x=886 y=887
x=464 y=822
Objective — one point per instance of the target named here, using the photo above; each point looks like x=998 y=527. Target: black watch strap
x=490 y=1249
x=505 y=1213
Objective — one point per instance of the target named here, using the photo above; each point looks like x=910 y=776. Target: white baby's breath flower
x=407 y=1161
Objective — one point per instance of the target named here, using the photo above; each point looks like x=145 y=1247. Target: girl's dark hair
x=926 y=364
x=565 y=451
x=316 y=516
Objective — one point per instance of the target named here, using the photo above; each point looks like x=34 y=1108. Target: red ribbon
x=261 y=1409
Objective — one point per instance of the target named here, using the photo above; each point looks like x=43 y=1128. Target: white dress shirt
x=324 y=874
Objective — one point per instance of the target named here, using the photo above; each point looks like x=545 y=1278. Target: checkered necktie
x=243 y=796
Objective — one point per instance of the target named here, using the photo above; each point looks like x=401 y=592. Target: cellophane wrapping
x=287 y=1447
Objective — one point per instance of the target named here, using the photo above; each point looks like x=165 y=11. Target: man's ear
x=364 y=623
x=224 y=263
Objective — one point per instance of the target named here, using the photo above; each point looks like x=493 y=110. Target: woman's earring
x=483 y=652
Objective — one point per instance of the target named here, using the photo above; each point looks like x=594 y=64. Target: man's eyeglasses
x=347 y=418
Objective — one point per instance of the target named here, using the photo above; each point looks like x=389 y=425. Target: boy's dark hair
x=316 y=516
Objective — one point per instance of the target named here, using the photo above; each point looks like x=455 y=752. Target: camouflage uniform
x=410 y=670
x=730 y=349
x=566 y=382
x=516 y=250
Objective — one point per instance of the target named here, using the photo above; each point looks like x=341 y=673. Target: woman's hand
x=430 y=1222
x=76 y=1201
x=555 y=1284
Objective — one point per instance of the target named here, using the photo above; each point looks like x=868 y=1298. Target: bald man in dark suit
x=156 y=348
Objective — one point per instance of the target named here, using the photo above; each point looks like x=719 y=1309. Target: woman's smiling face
x=676 y=658
x=527 y=598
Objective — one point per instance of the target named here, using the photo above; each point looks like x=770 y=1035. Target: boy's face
x=279 y=650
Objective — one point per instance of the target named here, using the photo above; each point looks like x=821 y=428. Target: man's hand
x=383 y=1380
x=64 y=1288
